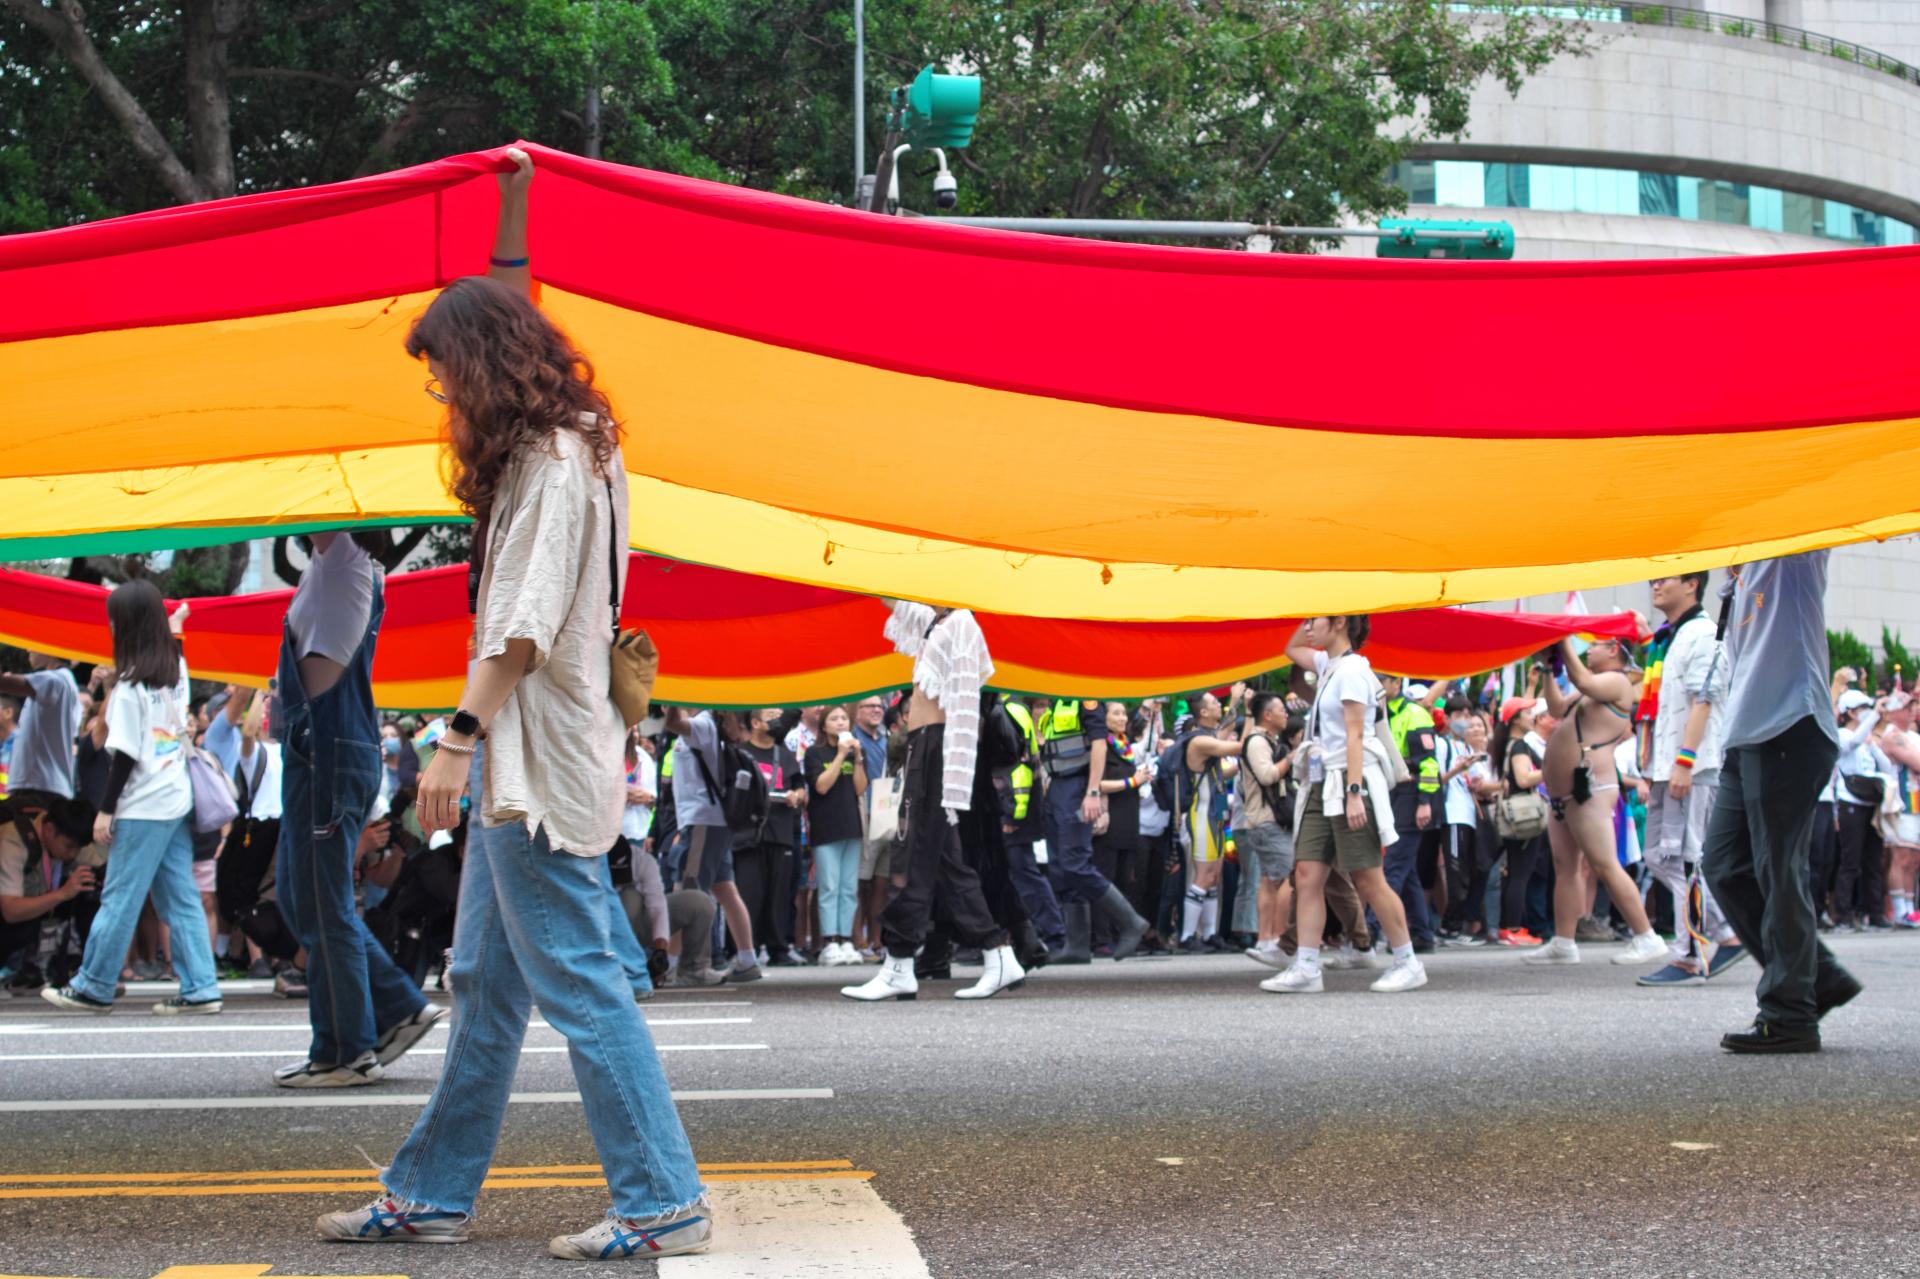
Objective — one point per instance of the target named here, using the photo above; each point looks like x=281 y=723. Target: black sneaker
x=290 y=983
x=69 y=998
x=179 y=1007
x=1765 y=1037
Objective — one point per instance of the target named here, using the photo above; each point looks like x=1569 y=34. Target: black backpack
x=745 y=800
x=1169 y=773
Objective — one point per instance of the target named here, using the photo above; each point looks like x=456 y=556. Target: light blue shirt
x=1777 y=644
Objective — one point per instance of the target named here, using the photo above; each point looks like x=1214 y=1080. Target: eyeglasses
x=438 y=392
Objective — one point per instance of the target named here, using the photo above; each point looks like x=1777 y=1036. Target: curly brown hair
x=513 y=380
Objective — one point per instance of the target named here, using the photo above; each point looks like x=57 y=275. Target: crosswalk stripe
x=359 y=1097
x=537 y=1049
x=173 y=1027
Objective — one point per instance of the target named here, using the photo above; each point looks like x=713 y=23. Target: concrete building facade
x=1681 y=132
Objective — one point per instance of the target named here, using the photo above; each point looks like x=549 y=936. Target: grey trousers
x=1756 y=863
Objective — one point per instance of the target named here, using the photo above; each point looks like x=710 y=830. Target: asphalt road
x=1158 y=1117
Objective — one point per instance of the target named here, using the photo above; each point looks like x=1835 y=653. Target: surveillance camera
x=946 y=190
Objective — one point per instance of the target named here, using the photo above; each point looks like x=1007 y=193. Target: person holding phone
x=1462 y=756
x=836 y=771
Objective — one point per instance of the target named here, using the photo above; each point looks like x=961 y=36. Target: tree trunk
x=65 y=26
x=590 y=120
x=210 y=24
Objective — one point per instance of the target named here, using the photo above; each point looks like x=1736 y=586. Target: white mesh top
x=950 y=663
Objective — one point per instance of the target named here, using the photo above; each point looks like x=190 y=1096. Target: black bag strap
x=700 y=762
x=613 y=562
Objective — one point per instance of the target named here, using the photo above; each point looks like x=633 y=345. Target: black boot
x=1766 y=1037
x=1128 y=928
x=1079 y=934
x=1028 y=948
x=935 y=960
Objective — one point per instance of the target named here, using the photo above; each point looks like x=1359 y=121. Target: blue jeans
x=532 y=925
x=633 y=958
x=154 y=856
x=355 y=990
x=838 y=865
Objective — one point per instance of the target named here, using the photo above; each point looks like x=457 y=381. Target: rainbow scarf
x=1649 y=708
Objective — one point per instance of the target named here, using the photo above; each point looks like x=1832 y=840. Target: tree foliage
x=1281 y=110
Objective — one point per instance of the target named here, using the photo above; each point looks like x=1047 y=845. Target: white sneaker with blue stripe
x=624 y=1238
x=390 y=1220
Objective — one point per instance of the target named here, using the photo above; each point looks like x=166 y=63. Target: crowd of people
x=551 y=842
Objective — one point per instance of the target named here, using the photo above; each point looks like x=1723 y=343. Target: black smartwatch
x=1355 y=788
x=464 y=723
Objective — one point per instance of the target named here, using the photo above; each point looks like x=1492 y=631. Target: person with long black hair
x=146 y=817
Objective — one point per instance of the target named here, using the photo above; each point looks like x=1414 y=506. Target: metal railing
x=1724 y=24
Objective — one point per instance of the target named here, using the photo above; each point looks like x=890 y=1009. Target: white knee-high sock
x=1210 y=913
x=1190 y=912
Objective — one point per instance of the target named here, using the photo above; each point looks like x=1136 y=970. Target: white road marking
x=172 y=1026
x=802 y=1230
x=355 y=1097
x=283 y=1053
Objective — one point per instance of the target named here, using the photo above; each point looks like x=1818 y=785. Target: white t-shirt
x=150 y=724
x=638 y=820
x=1460 y=806
x=1347 y=679
x=329 y=613
x=1695 y=669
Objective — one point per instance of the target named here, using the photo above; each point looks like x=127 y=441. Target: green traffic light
x=1492 y=241
x=941 y=108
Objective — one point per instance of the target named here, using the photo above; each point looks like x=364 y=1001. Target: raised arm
x=1609 y=686
x=1301 y=653
x=509 y=263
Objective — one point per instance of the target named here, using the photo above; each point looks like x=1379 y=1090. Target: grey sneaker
x=390 y=1220
x=395 y=1042
x=649 y=1238
x=696 y=977
x=178 y=1007
x=737 y=973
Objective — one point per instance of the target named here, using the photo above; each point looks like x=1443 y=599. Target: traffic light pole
x=883 y=168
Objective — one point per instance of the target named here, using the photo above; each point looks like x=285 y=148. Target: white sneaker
x=618 y=1238
x=394 y=1044
x=1643 y=949
x=390 y=1220
x=1342 y=956
x=1296 y=980
x=1002 y=970
x=364 y=1069
x=844 y=955
x=895 y=980
x=1407 y=974
x=1553 y=953
x=1379 y=958
x=738 y=972
x=1268 y=953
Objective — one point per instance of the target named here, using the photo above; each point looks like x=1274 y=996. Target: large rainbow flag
x=729 y=639
x=1022 y=424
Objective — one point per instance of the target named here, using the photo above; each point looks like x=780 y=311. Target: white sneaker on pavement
x=390 y=1220
x=364 y=1069
x=1268 y=953
x=1298 y=979
x=1342 y=956
x=1406 y=974
x=1554 y=952
x=1643 y=949
x=393 y=1045
x=619 y=1238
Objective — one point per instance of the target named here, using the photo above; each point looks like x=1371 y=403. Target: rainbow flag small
x=1909 y=795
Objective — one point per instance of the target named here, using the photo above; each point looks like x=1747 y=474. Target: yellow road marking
x=190 y=1178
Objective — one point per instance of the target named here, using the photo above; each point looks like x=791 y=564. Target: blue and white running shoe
x=621 y=1238
x=390 y=1220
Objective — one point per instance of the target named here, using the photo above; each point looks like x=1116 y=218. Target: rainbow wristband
x=1685 y=758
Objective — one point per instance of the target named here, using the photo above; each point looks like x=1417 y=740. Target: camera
x=946 y=189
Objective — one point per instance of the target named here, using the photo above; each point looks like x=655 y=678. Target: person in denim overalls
x=365 y=1011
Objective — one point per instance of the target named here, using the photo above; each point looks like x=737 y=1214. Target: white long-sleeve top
x=950 y=664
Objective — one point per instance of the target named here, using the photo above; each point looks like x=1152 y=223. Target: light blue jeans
x=837 y=868
x=532 y=926
x=154 y=856
x=633 y=958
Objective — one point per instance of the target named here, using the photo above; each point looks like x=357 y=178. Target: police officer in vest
x=1022 y=824
x=1073 y=747
x=1417 y=812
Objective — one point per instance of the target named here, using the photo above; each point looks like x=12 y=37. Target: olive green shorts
x=1328 y=839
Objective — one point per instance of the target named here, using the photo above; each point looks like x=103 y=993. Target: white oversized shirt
x=950 y=664
x=1695 y=669
x=556 y=750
